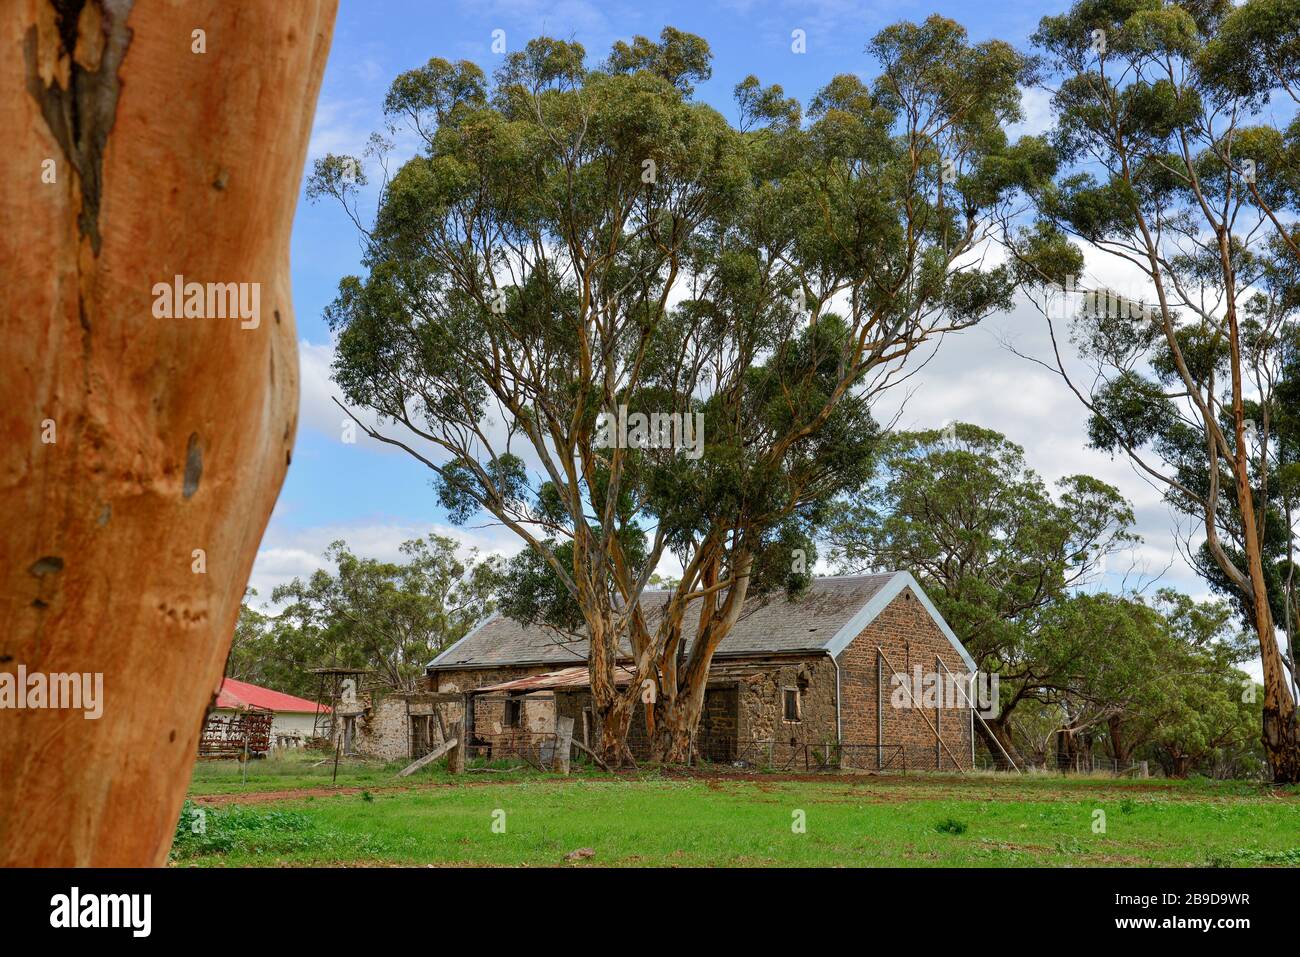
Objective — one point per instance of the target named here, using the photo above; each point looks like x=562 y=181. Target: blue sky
x=375 y=497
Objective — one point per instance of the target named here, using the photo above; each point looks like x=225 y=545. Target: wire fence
x=538 y=750
x=1079 y=763
x=773 y=755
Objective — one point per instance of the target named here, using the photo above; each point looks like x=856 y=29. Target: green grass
x=657 y=820
x=311 y=769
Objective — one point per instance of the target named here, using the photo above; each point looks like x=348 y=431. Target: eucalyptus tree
x=1249 y=64
x=1145 y=677
x=389 y=617
x=520 y=267
x=868 y=217
x=1197 y=700
x=577 y=247
x=1148 y=141
x=1000 y=553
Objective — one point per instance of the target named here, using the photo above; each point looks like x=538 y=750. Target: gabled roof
x=237 y=695
x=830 y=614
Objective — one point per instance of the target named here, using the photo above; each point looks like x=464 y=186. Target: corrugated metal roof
x=237 y=695
x=772 y=625
x=578 y=677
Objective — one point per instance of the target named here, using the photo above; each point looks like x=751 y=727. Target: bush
x=206 y=830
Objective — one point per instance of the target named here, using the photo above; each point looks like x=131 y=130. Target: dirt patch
x=870 y=786
x=298 y=794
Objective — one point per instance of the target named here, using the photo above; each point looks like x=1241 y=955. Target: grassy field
x=290 y=813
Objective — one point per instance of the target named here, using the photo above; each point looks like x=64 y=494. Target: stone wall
x=719 y=724
x=744 y=716
x=716 y=739
x=382 y=729
x=538 y=710
x=586 y=726
x=908 y=637
x=765 y=734
x=394 y=725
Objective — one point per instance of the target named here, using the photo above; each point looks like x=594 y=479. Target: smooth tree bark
x=140 y=455
x=1163 y=193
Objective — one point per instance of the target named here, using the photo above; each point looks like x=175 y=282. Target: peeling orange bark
x=140 y=455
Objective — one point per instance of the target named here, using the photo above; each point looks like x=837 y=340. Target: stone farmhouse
x=834 y=676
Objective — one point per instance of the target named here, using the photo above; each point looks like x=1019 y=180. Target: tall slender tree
x=1149 y=139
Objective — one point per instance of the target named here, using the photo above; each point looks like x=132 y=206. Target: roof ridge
x=857 y=576
x=777 y=623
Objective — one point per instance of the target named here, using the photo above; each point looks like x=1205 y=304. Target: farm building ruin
x=247 y=718
x=829 y=677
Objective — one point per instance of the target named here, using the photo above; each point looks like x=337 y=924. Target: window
x=514 y=713
x=791 y=704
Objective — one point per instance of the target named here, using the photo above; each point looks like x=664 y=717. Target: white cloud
x=977 y=377
x=341 y=126
x=289 y=553
x=1036 y=104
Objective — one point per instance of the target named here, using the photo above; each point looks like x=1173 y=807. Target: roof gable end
x=879 y=602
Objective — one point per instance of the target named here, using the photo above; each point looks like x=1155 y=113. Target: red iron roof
x=238 y=695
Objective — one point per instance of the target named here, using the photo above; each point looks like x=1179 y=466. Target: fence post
x=456 y=756
x=880 y=713
x=563 y=743
x=938 y=719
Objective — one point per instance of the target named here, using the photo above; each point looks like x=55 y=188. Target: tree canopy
x=389 y=618
x=575 y=242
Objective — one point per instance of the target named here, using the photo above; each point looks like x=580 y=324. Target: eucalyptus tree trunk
x=677 y=713
x=1281 y=734
x=143 y=440
x=997 y=738
x=611 y=707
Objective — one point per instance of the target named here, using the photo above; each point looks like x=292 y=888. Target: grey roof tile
x=770 y=625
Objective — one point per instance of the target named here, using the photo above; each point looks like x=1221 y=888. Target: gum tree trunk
x=1281 y=734
x=612 y=708
x=679 y=711
x=140 y=455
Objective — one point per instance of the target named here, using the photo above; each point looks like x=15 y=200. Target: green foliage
x=1254 y=49
x=982 y=532
x=203 y=831
x=390 y=618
